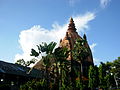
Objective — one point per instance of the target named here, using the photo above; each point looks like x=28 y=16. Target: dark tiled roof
x=15 y=69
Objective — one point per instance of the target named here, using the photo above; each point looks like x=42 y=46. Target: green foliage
x=20 y=62
x=25 y=63
x=61 y=74
x=116 y=67
x=61 y=54
x=80 y=52
x=34 y=85
x=62 y=67
x=105 y=78
x=101 y=75
x=4 y=86
x=32 y=61
x=93 y=77
x=116 y=71
x=34 y=53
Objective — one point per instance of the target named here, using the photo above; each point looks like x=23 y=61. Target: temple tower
x=69 y=41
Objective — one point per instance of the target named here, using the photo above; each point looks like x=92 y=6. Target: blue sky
x=24 y=23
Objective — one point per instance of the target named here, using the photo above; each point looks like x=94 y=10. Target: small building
x=14 y=75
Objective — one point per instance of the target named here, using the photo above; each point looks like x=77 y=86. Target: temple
x=69 y=42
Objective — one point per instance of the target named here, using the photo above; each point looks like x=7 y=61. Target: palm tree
x=47 y=49
x=62 y=65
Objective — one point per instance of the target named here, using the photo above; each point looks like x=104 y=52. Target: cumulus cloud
x=36 y=35
x=104 y=3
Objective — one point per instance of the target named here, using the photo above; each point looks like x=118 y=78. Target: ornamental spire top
x=71 y=26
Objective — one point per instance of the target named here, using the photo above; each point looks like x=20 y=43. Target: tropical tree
x=109 y=78
x=47 y=49
x=116 y=71
x=80 y=53
x=63 y=66
x=105 y=77
x=93 y=77
x=102 y=74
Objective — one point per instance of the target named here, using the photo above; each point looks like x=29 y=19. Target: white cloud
x=92 y=46
x=30 y=38
x=104 y=3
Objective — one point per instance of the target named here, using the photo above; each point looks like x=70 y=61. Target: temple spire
x=71 y=26
x=71 y=19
